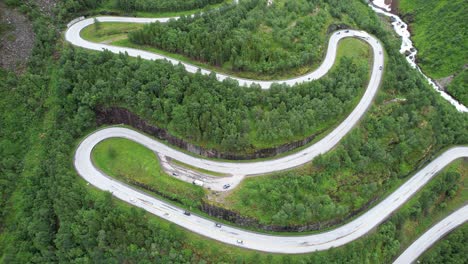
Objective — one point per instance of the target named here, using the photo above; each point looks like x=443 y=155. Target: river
x=401 y=28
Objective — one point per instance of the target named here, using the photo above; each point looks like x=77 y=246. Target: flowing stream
x=407 y=48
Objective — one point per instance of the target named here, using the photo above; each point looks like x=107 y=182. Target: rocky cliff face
x=118 y=115
x=240 y=220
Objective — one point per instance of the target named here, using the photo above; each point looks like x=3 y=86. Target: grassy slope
x=320 y=196
x=459 y=87
x=439 y=29
x=418 y=226
x=128 y=160
x=190 y=167
x=440 y=41
x=108 y=32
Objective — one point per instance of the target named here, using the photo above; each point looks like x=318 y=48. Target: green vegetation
x=216 y=115
x=117 y=34
x=451 y=184
x=69 y=9
x=4 y=28
x=49 y=215
x=163 y=5
x=253 y=40
x=308 y=195
x=451 y=249
x=135 y=164
x=459 y=87
x=108 y=32
x=441 y=42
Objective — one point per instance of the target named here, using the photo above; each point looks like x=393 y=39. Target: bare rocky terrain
x=17 y=41
x=46 y=6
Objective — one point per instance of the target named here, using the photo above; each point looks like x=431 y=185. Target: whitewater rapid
x=407 y=48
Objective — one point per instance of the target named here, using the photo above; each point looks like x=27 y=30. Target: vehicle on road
x=241 y=242
x=218 y=225
x=198 y=182
x=174 y=174
x=226 y=186
x=380 y=68
x=187 y=213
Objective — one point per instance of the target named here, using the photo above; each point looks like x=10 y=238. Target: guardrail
x=78 y=19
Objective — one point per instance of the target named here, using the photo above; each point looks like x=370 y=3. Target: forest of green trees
x=442 y=42
x=252 y=37
x=49 y=214
x=163 y=5
x=204 y=111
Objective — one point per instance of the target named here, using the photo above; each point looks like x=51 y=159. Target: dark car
x=347 y=31
x=380 y=68
x=186 y=213
x=226 y=186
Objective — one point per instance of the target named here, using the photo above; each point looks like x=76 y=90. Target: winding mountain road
x=240 y=170
x=232 y=235
x=269 y=243
x=73 y=36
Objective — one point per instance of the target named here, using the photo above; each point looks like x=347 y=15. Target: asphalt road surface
x=235 y=236
x=438 y=231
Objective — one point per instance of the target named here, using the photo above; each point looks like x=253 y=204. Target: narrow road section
x=431 y=236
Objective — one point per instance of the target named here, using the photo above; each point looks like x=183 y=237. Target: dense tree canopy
x=205 y=111
x=249 y=37
x=163 y=5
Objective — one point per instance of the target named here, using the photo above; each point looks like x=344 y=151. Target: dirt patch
x=394 y=5
x=444 y=82
x=17 y=41
x=46 y=6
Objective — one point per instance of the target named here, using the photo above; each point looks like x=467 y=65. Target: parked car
x=198 y=182
x=240 y=241
x=174 y=174
x=218 y=225
x=226 y=186
x=186 y=213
